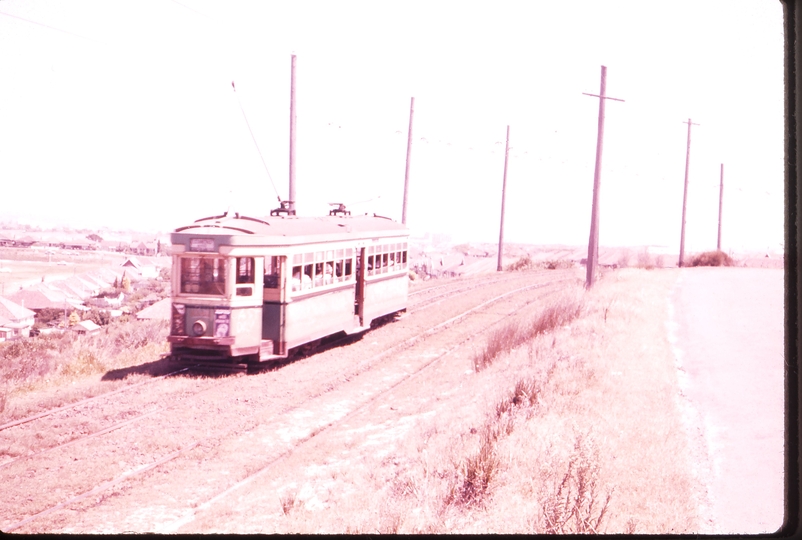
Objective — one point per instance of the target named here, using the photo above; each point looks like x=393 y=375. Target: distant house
x=85 y=327
x=160 y=311
x=132 y=264
x=41 y=296
x=78 y=244
x=112 y=245
x=15 y=320
x=26 y=241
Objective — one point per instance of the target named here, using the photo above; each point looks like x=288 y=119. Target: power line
x=52 y=28
x=255 y=143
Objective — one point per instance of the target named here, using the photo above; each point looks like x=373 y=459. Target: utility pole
x=406 y=172
x=685 y=196
x=720 y=207
x=292 y=137
x=593 y=242
x=503 y=198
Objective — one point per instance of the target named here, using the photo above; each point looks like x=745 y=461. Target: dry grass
x=57 y=362
x=571 y=502
x=513 y=334
x=574 y=431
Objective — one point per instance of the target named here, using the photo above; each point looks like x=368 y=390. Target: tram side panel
x=385 y=295
x=314 y=316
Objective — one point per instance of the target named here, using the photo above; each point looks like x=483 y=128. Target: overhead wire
x=52 y=28
x=255 y=143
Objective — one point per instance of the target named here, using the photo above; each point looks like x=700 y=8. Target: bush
x=49 y=317
x=524 y=263
x=712 y=258
x=557 y=264
x=100 y=317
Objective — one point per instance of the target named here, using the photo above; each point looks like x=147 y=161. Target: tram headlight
x=199 y=328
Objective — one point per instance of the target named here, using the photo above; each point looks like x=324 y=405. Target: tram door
x=359 y=300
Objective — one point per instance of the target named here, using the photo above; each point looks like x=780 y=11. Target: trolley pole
x=503 y=199
x=292 y=137
x=681 y=261
x=593 y=241
x=720 y=207
x=406 y=171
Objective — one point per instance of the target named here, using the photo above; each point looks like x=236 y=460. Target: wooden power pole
x=503 y=199
x=406 y=171
x=292 y=137
x=593 y=242
x=720 y=207
x=685 y=196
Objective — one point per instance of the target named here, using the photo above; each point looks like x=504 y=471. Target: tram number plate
x=202 y=244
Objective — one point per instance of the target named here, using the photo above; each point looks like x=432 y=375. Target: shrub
x=523 y=263
x=712 y=258
x=100 y=317
x=49 y=315
x=556 y=264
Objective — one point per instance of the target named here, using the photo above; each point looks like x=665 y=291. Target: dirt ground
x=261 y=453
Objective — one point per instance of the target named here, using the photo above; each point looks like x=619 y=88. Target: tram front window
x=203 y=275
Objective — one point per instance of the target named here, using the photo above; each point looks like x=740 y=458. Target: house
x=134 y=266
x=15 y=320
x=78 y=244
x=41 y=296
x=160 y=311
x=85 y=328
x=70 y=289
x=26 y=241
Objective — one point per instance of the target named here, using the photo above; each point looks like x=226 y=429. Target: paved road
x=727 y=333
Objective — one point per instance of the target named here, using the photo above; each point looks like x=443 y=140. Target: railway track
x=463 y=285
x=182 y=448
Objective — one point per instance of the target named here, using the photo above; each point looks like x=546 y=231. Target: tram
x=249 y=290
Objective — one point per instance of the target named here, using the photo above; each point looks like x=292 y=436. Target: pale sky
x=122 y=114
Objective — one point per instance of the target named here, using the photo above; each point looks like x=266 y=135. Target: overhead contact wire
x=255 y=143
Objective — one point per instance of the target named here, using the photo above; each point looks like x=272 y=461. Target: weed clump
x=712 y=258
x=512 y=335
x=574 y=505
x=471 y=484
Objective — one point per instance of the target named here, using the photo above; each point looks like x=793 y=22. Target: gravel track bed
x=238 y=425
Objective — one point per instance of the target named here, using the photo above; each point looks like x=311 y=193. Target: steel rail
x=251 y=477
x=83 y=401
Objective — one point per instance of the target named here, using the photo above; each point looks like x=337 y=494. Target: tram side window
x=272 y=270
x=312 y=270
x=203 y=275
x=245 y=270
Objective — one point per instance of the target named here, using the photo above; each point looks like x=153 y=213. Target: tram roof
x=278 y=230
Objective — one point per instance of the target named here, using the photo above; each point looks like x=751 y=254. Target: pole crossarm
x=603 y=97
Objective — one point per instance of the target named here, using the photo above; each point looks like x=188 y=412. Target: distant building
x=133 y=265
x=15 y=320
x=160 y=311
x=85 y=328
